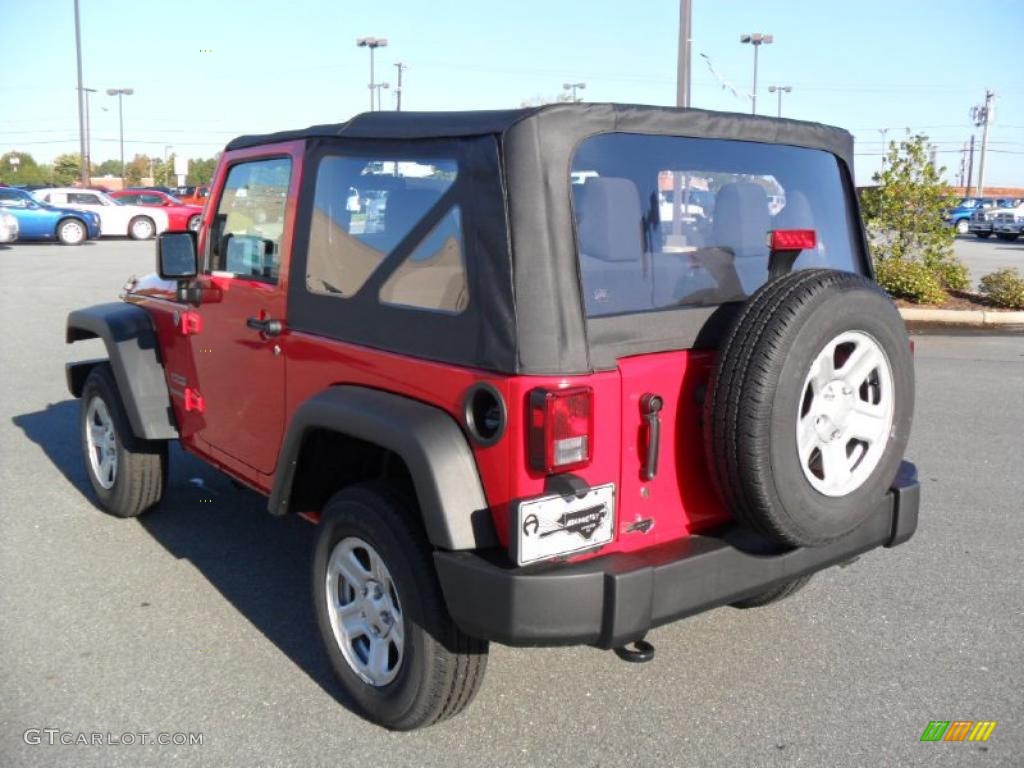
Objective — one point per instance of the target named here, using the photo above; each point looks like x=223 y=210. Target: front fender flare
x=128 y=334
x=439 y=459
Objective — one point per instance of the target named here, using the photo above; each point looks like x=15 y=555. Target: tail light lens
x=561 y=428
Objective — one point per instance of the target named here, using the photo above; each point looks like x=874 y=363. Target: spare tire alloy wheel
x=365 y=612
x=846 y=415
x=809 y=407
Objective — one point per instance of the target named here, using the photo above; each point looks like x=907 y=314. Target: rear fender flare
x=429 y=441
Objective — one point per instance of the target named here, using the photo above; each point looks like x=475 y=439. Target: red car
x=180 y=216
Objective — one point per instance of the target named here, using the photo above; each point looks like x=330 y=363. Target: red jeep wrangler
x=541 y=376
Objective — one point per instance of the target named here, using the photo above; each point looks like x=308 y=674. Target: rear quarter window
x=668 y=222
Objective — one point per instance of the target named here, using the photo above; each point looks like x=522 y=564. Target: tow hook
x=640 y=652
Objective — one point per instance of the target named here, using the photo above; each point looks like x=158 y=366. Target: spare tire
x=809 y=407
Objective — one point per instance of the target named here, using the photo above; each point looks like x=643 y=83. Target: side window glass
x=433 y=276
x=363 y=209
x=247 y=230
x=128 y=199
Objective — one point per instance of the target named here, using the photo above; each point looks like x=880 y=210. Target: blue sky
x=862 y=65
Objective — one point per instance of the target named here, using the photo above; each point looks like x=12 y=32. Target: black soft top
x=698 y=123
x=532 y=320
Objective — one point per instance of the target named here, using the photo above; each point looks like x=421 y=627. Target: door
x=33 y=220
x=238 y=362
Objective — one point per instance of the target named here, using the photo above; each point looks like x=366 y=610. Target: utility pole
x=398 y=88
x=81 y=108
x=885 y=147
x=780 y=89
x=683 y=64
x=982 y=115
x=970 y=166
x=963 y=166
x=756 y=39
x=372 y=43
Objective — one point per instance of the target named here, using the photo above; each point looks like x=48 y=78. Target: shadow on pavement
x=259 y=563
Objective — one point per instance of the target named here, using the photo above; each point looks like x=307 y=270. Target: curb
x=963 y=318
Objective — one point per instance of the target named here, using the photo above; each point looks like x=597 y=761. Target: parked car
x=982 y=218
x=1008 y=223
x=8 y=227
x=42 y=221
x=136 y=221
x=959 y=217
x=193 y=195
x=180 y=216
x=514 y=414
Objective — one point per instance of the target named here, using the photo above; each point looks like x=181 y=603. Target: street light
x=372 y=43
x=87 y=160
x=574 y=87
x=756 y=39
x=120 y=93
x=780 y=89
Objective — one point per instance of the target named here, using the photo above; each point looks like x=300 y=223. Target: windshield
x=664 y=221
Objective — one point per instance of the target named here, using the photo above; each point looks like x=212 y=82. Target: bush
x=1005 y=288
x=911 y=280
x=952 y=274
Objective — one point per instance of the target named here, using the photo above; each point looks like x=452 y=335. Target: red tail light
x=792 y=239
x=561 y=428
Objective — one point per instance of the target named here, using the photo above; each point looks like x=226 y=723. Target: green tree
x=107 y=168
x=66 y=168
x=136 y=169
x=904 y=212
x=201 y=171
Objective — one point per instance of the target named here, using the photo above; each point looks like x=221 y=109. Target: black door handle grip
x=650 y=407
x=267 y=327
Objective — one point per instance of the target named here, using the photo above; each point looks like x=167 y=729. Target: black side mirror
x=176 y=256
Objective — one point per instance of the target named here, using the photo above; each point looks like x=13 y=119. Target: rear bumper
x=612 y=600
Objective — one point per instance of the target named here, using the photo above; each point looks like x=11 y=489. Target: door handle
x=268 y=326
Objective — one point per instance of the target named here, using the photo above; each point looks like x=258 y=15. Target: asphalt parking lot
x=196 y=617
x=985 y=256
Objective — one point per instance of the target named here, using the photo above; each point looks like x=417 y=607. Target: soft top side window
x=245 y=239
x=365 y=209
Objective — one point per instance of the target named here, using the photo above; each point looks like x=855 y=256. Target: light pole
x=87 y=161
x=372 y=43
x=377 y=87
x=398 y=88
x=885 y=147
x=756 y=39
x=120 y=93
x=574 y=87
x=683 y=63
x=780 y=89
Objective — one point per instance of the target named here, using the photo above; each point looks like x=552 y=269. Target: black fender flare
x=429 y=441
x=130 y=338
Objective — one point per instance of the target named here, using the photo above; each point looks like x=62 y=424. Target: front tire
x=382 y=616
x=982 y=235
x=962 y=226
x=194 y=222
x=71 y=232
x=141 y=228
x=127 y=474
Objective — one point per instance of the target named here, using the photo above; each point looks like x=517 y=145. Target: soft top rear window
x=668 y=222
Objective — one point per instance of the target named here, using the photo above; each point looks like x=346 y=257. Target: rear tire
x=141 y=228
x=127 y=474
x=983 y=235
x=775 y=594
x=809 y=407
x=71 y=232
x=373 y=577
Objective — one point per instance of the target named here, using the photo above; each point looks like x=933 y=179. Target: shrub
x=1005 y=288
x=952 y=274
x=911 y=280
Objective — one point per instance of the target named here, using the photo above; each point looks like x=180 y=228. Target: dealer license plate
x=557 y=525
